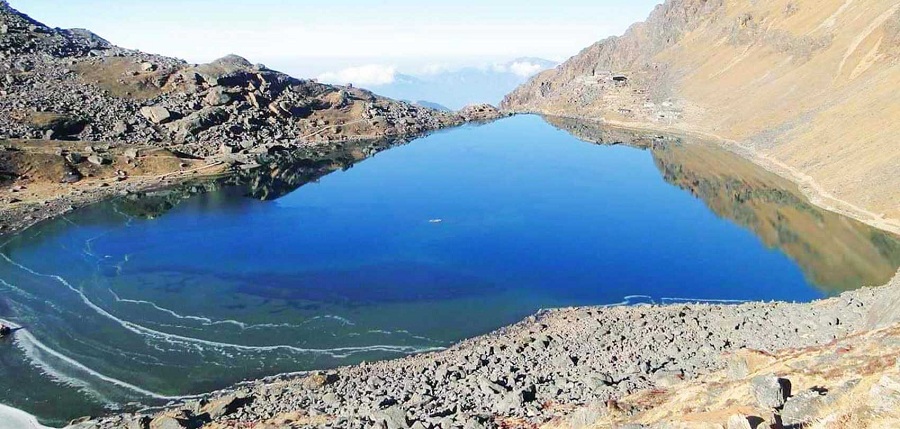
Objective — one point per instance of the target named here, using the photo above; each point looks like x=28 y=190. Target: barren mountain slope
x=811 y=86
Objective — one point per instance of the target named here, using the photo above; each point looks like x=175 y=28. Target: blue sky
x=311 y=37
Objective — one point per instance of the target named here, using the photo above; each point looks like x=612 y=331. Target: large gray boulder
x=770 y=391
x=802 y=408
x=198 y=121
x=217 y=96
x=156 y=114
x=391 y=418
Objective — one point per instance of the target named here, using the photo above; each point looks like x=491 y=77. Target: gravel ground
x=522 y=375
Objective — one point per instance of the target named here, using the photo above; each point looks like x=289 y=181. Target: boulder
x=148 y=66
x=230 y=70
x=226 y=405
x=217 y=97
x=166 y=422
x=744 y=362
x=802 y=408
x=71 y=175
x=666 y=378
x=198 y=121
x=515 y=399
x=391 y=418
x=156 y=114
x=738 y=421
x=96 y=160
x=74 y=157
x=120 y=128
x=141 y=422
x=53 y=124
x=770 y=391
x=885 y=394
x=480 y=112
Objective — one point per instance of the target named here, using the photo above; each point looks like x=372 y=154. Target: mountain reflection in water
x=836 y=253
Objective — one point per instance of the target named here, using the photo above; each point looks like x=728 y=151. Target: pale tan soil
x=37 y=193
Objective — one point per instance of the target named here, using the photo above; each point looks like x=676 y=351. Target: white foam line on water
x=631 y=297
x=25 y=339
x=128 y=219
x=14 y=418
x=16 y=289
x=70 y=221
x=343 y=320
x=159 y=335
x=206 y=321
x=89 y=246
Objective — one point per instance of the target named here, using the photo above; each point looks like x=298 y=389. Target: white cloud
x=520 y=68
x=525 y=68
x=371 y=74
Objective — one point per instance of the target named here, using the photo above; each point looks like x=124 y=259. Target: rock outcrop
x=808 y=86
x=480 y=112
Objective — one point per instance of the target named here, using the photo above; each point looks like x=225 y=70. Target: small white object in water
x=435 y=221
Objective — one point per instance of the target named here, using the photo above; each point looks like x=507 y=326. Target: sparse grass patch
x=123 y=78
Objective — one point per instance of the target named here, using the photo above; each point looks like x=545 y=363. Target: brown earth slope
x=810 y=88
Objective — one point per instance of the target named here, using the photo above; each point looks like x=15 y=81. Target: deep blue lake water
x=447 y=237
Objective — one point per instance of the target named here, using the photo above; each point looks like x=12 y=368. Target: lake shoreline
x=16 y=218
x=645 y=376
x=47 y=201
x=812 y=190
x=537 y=371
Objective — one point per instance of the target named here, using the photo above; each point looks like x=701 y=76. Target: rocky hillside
x=82 y=119
x=809 y=87
x=72 y=84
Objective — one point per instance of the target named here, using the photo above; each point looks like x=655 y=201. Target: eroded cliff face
x=809 y=85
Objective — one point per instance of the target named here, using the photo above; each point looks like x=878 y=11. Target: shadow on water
x=836 y=253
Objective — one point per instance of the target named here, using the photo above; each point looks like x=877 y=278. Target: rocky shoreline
x=82 y=119
x=537 y=371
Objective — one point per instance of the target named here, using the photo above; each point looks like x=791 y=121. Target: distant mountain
x=454 y=88
x=430 y=105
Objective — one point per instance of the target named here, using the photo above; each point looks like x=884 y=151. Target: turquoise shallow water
x=453 y=235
